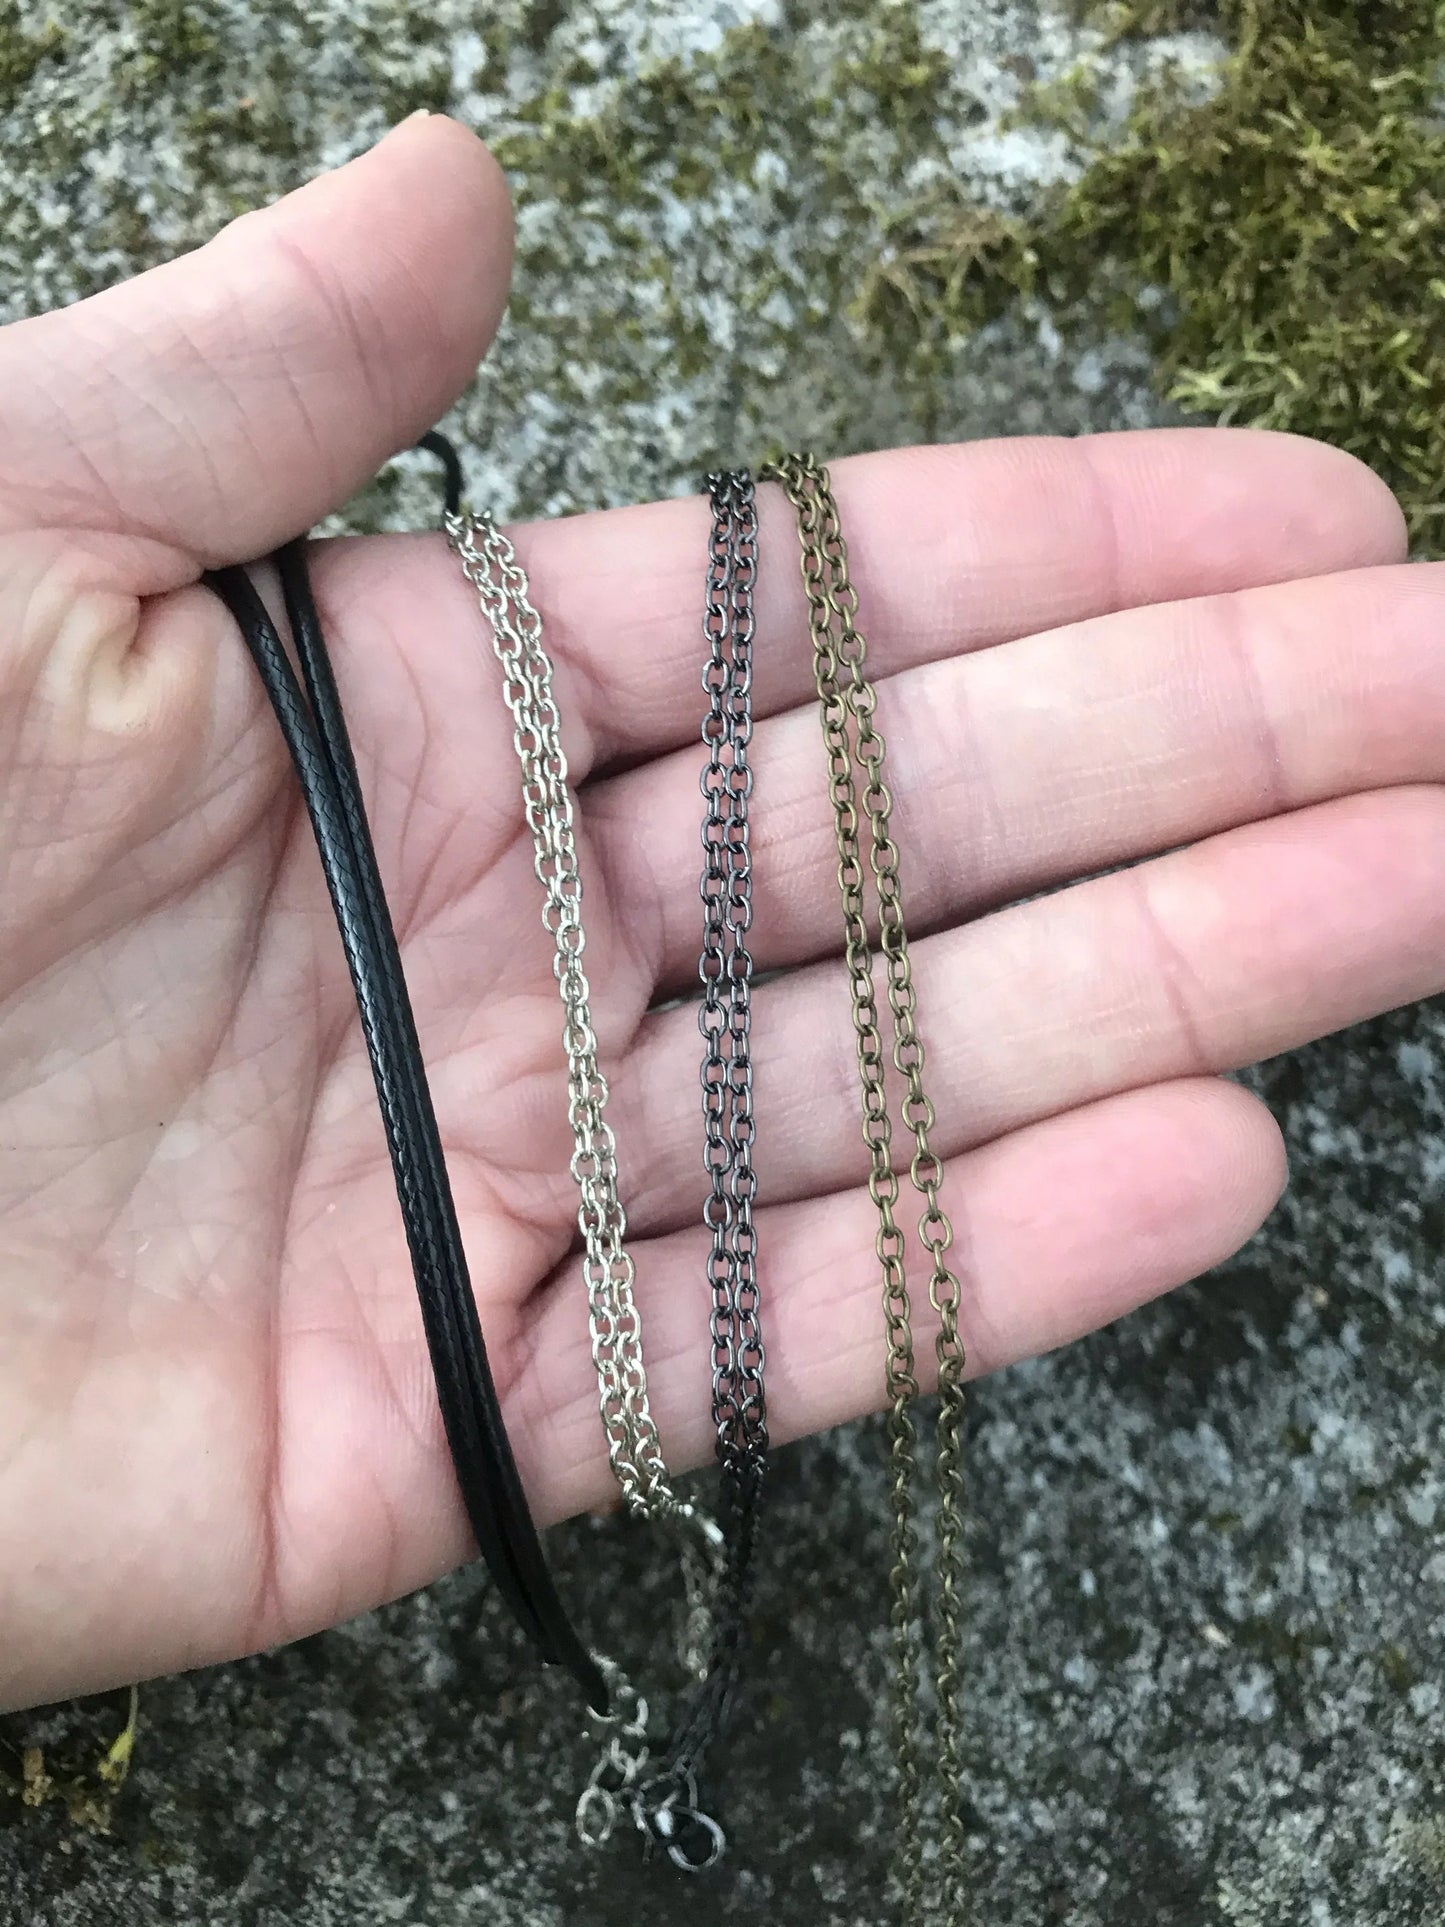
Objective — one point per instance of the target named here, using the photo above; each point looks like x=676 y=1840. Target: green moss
x=87 y=1786
x=1423 y=1844
x=1070 y=103
x=423 y=79
x=1272 y=230
x=22 y=53
x=1398 y=1668
x=260 y=121
x=673 y=131
x=1279 y=241
x=1141 y=19
x=896 y=68
x=783 y=99
x=172 y=38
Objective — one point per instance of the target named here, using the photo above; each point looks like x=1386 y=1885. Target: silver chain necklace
x=664 y=1808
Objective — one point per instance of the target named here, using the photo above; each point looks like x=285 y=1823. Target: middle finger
x=1016 y=768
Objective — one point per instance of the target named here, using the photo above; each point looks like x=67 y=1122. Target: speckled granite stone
x=1208 y=1618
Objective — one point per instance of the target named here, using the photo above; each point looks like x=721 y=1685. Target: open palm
x=1136 y=668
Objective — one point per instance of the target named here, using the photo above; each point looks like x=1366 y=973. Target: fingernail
x=418 y=113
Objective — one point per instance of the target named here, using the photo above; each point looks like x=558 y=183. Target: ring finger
x=1018 y=767
x=1209 y=958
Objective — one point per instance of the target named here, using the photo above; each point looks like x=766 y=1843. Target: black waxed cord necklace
x=315 y=732
x=659 y=1791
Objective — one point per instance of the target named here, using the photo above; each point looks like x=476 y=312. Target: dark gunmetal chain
x=725 y=969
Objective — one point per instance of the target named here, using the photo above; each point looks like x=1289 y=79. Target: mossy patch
x=785 y=219
x=770 y=114
x=23 y=51
x=86 y=1786
x=1276 y=237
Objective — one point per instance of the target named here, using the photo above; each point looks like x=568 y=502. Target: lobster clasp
x=708 y=1531
x=692 y=1840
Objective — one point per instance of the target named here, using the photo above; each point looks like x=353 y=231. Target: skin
x=1190 y=661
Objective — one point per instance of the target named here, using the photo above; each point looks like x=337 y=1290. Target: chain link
x=931 y=1886
x=726 y=971
x=725 y=1021
x=633 y=1446
x=618 y=1766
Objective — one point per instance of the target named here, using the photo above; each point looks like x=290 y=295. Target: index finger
x=952 y=548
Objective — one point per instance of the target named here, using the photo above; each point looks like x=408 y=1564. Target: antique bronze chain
x=931 y=1886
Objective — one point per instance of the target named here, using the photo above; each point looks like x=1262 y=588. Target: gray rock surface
x=1208 y=1616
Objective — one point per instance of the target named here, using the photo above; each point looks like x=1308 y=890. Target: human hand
x=218 y=1428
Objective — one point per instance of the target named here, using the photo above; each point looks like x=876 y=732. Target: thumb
x=218 y=405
